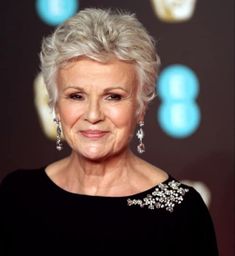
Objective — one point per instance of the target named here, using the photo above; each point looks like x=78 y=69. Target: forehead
x=85 y=71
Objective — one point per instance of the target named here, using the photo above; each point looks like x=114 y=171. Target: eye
x=114 y=97
x=76 y=96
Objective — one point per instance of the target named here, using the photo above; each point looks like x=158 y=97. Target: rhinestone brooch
x=163 y=196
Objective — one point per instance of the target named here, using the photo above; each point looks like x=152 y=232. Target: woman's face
x=97 y=106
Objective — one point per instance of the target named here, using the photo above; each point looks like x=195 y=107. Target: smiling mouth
x=93 y=134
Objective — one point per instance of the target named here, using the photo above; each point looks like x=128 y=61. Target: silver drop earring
x=140 y=136
x=59 y=145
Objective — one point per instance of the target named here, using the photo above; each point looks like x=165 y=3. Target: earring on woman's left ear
x=140 y=136
x=59 y=144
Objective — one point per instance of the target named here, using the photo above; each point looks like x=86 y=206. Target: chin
x=95 y=158
x=94 y=155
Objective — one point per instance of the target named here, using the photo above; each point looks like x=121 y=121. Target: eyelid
x=114 y=96
x=76 y=95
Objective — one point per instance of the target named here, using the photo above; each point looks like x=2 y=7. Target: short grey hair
x=101 y=34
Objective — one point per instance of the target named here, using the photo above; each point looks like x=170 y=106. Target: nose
x=94 y=113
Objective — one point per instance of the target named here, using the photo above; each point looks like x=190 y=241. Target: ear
x=141 y=117
x=55 y=113
x=141 y=114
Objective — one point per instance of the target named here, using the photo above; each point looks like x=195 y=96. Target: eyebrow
x=72 y=87
x=115 y=88
x=105 y=90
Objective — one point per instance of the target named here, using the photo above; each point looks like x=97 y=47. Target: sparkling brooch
x=164 y=196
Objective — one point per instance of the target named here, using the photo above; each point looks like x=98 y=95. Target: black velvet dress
x=39 y=218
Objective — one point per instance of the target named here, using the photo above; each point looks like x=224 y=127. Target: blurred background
x=189 y=128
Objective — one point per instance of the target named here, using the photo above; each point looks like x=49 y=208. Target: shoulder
x=197 y=216
x=188 y=205
x=193 y=207
x=19 y=178
x=171 y=196
x=184 y=198
x=21 y=173
x=192 y=199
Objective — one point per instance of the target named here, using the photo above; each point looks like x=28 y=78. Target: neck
x=99 y=177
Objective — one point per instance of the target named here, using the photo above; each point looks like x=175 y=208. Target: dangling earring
x=59 y=145
x=140 y=136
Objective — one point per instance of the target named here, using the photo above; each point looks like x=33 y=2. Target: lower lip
x=96 y=135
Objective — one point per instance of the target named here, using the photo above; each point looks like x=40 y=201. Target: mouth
x=93 y=134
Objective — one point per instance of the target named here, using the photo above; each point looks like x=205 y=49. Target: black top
x=39 y=218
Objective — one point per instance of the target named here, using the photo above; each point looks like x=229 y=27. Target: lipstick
x=93 y=134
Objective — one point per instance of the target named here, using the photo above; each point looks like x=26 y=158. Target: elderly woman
x=100 y=68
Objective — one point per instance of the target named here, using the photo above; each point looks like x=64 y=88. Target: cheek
x=123 y=116
x=68 y=114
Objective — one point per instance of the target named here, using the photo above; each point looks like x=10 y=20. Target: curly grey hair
x=100 y=34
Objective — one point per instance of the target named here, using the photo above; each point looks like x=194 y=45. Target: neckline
x=72 y=194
